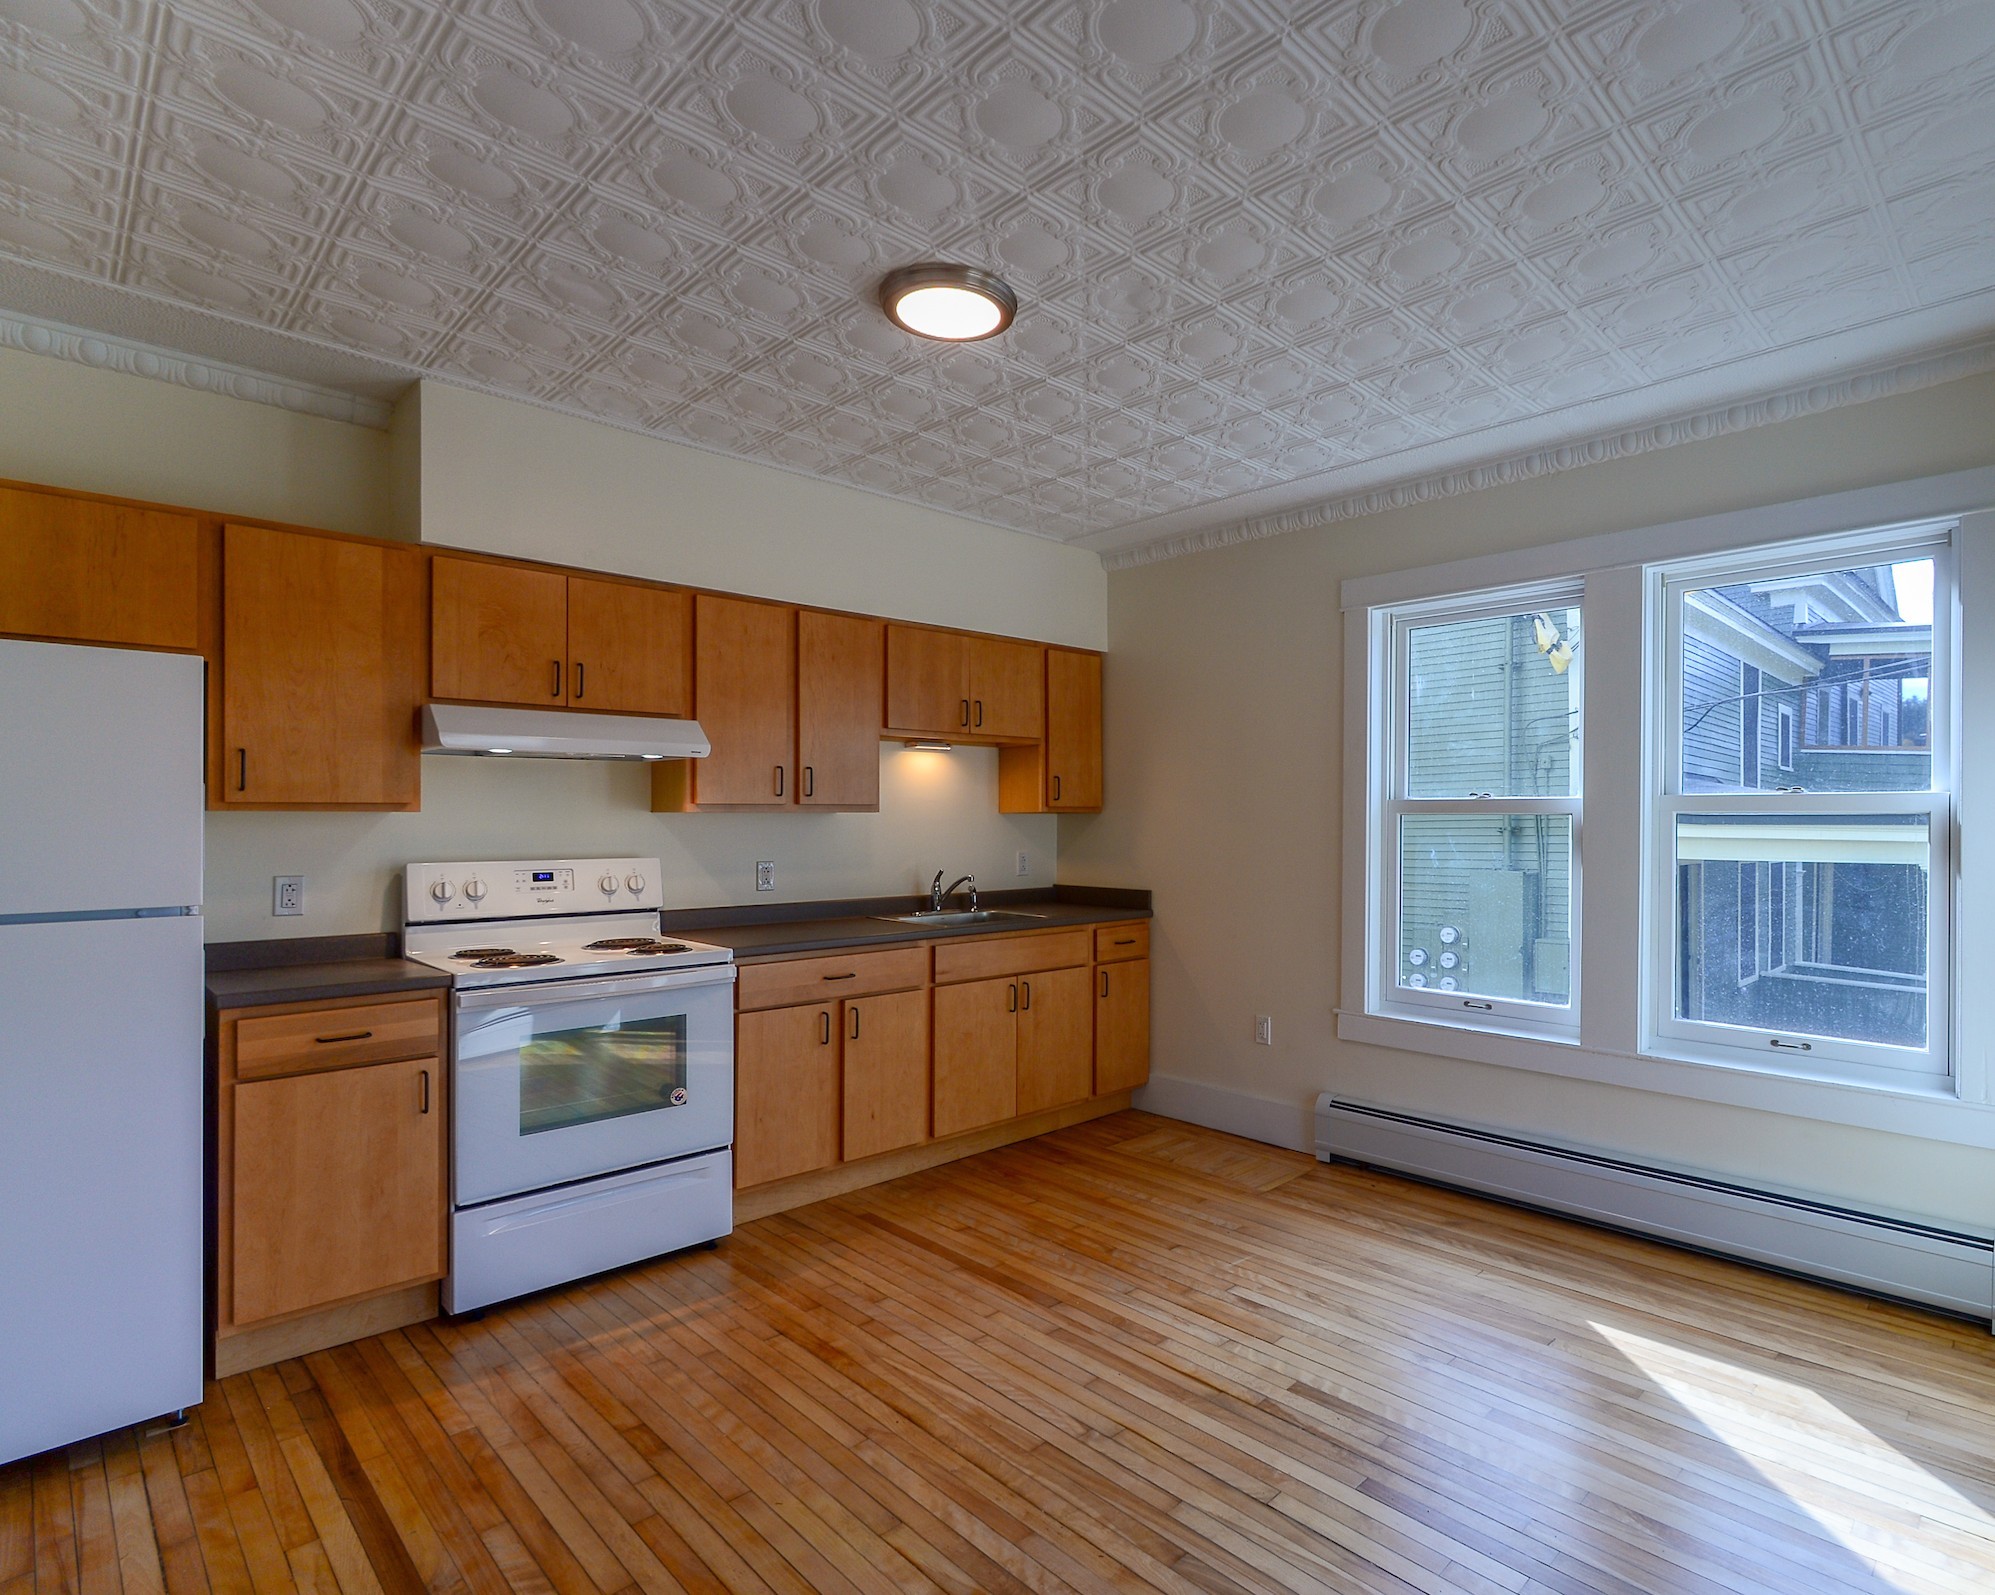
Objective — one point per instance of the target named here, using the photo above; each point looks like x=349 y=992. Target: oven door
x=567 y=1080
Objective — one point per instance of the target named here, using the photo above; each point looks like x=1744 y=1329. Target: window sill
x=1930 y=1112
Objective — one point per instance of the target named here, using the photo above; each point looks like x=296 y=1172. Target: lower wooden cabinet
x=787 y=1092
x=1121 y=1026
x=886 y=1058
x=331 y=1202
x=929 y=1042
x=976 y=1054
x=1055 y=1040
x=338 y=1186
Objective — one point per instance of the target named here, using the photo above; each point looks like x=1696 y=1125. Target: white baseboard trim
x=1264 y=1119
x=1884 y=1254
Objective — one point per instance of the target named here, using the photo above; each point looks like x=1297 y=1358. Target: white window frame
x=1391 y=806
x=1610 y=1048
x=1786 y=735
x=1665 y=802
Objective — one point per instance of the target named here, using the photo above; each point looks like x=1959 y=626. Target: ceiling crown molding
x=1790 y=404
x=32 y=335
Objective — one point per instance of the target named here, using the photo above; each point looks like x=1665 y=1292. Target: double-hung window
x=1477 y=891
x=1798 y=905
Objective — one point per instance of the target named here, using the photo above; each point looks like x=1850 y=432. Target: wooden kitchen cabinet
x=321 y=673
x=745 y=698
x=1007 y=688
x=1062 y=774
x=976 y=1054
x=1055 y=1039
x=506 y=633
x=787 y=1092
x=499 y=632
x=841 y=668
x=927 y=686
x=1121 y=1026
x=338 y=1186
x=970 y=689
x=886 y=1072
x=629 y=648
x=330 y=1196
x=86 y=570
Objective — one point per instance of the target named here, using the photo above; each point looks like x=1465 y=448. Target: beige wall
x=1237 y=825
x=512 y=479
x=937 y=811
x=516 y=479
x=97 y=431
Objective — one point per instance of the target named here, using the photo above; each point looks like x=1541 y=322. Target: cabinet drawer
x=989 y=958
x=326 y=1038
x=795 y=980
x=1113 y=943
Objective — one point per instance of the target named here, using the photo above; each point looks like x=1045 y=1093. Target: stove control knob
x=440 y=890
x=609 y=885
x=474 y=888
x=635 y=883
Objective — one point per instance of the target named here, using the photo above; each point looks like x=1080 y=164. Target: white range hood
x=558 y=733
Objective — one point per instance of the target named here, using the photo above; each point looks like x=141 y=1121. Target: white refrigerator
x=101 y=1027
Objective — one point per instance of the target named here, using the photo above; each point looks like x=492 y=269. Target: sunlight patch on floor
x=1904 y=1522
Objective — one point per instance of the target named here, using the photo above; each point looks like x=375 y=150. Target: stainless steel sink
x=956 y=916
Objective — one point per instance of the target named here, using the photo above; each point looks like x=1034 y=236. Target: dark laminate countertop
x=837 y=926
x=256 y=974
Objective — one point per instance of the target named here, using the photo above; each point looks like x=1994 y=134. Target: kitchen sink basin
x=956 y=916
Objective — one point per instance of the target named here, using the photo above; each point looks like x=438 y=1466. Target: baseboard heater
x=1873 y=1252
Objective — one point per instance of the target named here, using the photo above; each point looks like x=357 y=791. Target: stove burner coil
x=516 y=961
x=660 y=947
x=483 y=952
x=617 y=944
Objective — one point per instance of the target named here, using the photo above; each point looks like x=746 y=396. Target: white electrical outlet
x=765 y=875
x=287 y=894
x=1264 y=1029
x=1024 y=864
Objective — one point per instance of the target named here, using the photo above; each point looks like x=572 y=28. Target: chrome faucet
x=938 y=894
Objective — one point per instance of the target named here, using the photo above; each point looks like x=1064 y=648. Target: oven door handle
x=551 y=993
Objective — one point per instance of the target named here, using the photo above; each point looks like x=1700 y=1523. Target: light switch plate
x=287 y=894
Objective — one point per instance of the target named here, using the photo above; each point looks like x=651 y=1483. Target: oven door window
x=571 y=1077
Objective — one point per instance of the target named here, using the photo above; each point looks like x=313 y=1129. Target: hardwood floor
x=1127 y=1356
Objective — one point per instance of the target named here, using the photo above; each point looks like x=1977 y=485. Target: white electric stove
x=592 y=1070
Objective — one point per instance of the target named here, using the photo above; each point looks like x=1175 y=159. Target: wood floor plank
x=1127 y=1356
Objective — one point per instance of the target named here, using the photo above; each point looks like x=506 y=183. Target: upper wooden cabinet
x=841 y=660
x=744 y=695
x=1062 y=774
x=971 y=689
x=504 y=633
x=321 y=673
x=80 y=570
x=629 y=647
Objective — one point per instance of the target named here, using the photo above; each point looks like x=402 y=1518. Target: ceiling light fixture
x=957 y=304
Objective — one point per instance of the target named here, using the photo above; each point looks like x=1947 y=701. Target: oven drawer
x=332 y=1038
x=796 y=980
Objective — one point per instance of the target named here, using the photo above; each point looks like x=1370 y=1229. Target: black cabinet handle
x=424 y=1078
x=824 y=1028
x=810 y=781
x=854 y=1011
x=578 y=681
x=850 y=974
x=1104 y=982
x=1014 y=998
x=557 y=678
x=980 y=711
x=1028 y=996
x=1056 y=789
x=1125 y=941
x=242 y=769
x=966 y=712
x=351 y=1035
x=782 y=779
